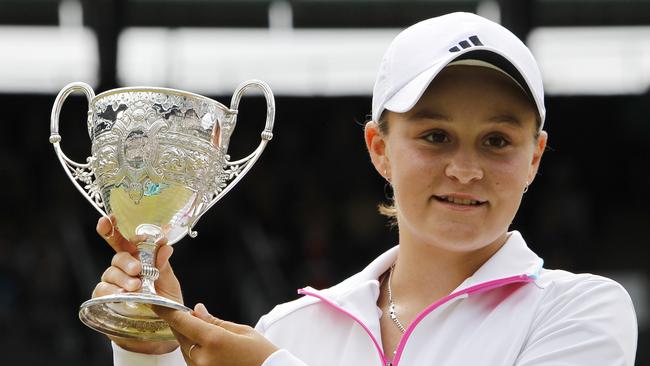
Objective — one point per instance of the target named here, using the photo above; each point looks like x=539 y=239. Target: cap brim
x=409 y=95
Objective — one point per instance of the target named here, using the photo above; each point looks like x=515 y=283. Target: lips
x=461 y=200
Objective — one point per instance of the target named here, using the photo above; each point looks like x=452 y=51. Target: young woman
x=457 y=118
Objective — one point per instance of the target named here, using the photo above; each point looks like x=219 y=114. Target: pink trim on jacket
x=365 y=327
x=481 y=287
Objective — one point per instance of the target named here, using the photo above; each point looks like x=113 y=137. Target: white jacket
x=510 y=312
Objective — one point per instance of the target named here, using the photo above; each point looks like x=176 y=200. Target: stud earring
x=386 y=175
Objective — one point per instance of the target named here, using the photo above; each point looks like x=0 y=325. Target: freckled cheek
x=414 y=175
x=507 y=176
x=411 y=162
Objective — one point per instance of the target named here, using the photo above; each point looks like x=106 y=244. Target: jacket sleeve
x=281 y=357
x=591 y=322
x=122 y=357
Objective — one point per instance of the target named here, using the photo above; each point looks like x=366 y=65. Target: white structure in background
x=44 y=59
x=215 y=61
x=576 y=60
x=300 y=62
x=593 y=60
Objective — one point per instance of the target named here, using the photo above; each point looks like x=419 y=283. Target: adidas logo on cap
x=464 y=44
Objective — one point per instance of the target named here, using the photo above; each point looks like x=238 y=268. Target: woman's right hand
x=124 y=276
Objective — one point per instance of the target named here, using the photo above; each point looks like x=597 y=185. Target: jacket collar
x=514 y=258
x=358 y=295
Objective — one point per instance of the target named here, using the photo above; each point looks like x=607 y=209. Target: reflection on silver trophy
x=159 y=161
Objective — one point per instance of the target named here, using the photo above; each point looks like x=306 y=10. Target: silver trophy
x=159 y=161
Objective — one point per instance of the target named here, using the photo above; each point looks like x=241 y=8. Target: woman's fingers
x=117 y=277
x=104 y=288
x=214 y=341
x=127 y=263
x=167 y=284
x=185 y=345
x=194 y=329
x=104 y=227
x=107 y=229
x=202 y=313
x=164 y=253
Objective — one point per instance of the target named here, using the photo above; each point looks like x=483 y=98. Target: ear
x=376 y=144
x=540 y=146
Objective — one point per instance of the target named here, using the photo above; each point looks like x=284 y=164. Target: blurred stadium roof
x=321 y=13
x=302 y=47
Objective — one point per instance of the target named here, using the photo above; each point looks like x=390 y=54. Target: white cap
x=421 y=51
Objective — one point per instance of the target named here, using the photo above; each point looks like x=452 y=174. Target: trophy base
x=129 y=316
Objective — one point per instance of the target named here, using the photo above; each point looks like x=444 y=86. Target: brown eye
x=496 y=141
x=437 y=137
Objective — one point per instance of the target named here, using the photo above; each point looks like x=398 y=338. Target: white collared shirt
x=509 y=312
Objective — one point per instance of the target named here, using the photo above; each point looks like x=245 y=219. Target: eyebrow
x=505 y=118
x=500 y=118
x=428 y=114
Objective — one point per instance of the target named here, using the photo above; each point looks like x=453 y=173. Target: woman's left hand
x=207 y=340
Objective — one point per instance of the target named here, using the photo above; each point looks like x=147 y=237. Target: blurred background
x=306 y=213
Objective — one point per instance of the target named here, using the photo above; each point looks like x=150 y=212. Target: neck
x=425 y=273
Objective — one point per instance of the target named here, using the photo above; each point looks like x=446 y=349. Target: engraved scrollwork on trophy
x=172 y=164
x=158 y=162
x=84 y=174
x=229 y=173
x=130 y=121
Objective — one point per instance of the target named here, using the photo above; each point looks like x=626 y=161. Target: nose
x=464 y=168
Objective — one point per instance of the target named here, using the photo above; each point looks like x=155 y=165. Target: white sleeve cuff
x=282 y=357
x=122 y=357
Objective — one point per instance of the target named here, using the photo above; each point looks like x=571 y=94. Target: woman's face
x=460 y=159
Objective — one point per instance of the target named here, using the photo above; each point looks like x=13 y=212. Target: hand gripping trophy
x=159 y=161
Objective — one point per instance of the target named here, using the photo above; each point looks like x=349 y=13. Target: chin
x=462 y=237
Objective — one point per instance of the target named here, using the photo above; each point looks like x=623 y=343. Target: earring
x=526 y=187
x=386 y=175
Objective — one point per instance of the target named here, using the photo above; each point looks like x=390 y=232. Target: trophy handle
x=77 y=172
x=234 y=171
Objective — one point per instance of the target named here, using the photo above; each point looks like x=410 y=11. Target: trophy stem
x=129 y=315
x=147 y=252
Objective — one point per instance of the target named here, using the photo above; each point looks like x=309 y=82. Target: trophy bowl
x=159 y=160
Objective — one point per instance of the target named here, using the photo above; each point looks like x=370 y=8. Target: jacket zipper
x=485 y=286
